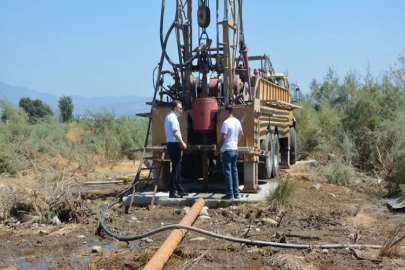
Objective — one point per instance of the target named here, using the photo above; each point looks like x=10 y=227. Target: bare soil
x=323 y=214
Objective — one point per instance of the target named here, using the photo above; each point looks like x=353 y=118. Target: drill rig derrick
x=209 y=76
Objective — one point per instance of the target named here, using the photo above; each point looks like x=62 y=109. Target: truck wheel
x=276 y=156
x=265 y=168
x=293 y=145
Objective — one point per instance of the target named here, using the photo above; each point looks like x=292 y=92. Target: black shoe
x=182 y=193
x=175 y=195
x=226 y=197
x=237 y=197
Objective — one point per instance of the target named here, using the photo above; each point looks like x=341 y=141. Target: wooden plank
x=147 y=115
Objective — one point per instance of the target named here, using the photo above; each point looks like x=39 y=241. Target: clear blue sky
x=109 y=48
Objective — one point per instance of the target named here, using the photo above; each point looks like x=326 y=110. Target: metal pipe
x=160 y=258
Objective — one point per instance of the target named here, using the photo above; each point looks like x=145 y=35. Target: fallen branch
x=362 y=258
x=303 y=236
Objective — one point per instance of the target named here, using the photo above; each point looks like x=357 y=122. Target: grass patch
x=284 y=195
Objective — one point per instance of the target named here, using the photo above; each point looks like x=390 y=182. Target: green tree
x=35 y=109
x=66 y=109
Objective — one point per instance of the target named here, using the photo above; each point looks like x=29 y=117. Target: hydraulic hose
x=163 y=44
x=220 y=236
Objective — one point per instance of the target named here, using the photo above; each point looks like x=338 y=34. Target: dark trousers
x=174 y=151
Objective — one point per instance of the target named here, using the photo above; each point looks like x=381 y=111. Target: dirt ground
x=324 y=214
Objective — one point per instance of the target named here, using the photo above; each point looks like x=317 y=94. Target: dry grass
x=392 y=245
x=134 y=258
x=290 y=262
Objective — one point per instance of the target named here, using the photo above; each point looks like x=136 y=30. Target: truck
x=207 y=77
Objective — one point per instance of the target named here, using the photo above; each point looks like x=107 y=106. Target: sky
x=110 y=48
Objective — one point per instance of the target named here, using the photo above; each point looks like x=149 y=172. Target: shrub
x=283 y=196
x=337 y=172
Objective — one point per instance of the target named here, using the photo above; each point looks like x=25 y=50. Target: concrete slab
x=212 y=198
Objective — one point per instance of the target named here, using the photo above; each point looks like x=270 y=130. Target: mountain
x=124 y=105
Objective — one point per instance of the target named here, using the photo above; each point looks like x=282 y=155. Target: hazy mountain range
x=124 y=105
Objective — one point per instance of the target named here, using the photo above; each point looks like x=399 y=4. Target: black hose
x=163 y=44
x=220 y=236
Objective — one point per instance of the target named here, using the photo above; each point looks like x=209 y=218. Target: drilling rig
x=209 y=73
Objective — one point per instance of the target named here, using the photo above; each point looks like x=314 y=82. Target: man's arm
x=176 y=134
x=220 y=144
x=240 y=136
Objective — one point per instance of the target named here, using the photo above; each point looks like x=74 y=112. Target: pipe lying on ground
x=160 y=258
x=216 y=235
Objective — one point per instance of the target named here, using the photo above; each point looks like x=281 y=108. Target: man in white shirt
x=231 y=135
x=174 y=145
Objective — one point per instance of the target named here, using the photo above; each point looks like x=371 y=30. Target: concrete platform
x=212 y=198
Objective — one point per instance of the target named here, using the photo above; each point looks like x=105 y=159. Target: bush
x=283 y=196
x=337 y=172
x=358 y=119
x=110 y=137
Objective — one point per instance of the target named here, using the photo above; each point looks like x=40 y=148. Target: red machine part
x=202 y=113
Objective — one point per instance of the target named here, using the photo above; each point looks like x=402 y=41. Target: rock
x=325 y=251
x=204 y=217
x=317 y=186
x=269 y=221
x=13 y=188
x=88 y=201
x=134 y=219
x=81 y=236
x=233 y=207
x=352 y=236
x=35 y=225
x=96 y=249
x=186 y=209
x=1 y=186
x=257 y=230
x=147 y=240
x=309 y=163
x=259 y=224
x=204 y=211
x=254 y=250
x=43 y=232
x=84 y=243
x=55 y=220
x=198 y=239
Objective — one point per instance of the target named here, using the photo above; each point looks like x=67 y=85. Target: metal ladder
x=149 y=178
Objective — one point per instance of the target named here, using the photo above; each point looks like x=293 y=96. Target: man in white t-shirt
x=174 y=145
x=231 y=135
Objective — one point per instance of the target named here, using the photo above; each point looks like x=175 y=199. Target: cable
x=220 y=236
x=163 y=44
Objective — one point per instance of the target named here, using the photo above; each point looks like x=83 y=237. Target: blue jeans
x=230 y=170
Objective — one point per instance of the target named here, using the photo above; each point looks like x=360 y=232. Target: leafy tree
x=66 y=109
x=35 y=109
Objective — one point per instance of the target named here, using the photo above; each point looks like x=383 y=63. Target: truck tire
x=276 y=156
x=266 y=167
x=293 y=145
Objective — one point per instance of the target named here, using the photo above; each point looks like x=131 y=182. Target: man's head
x=177 y=107
x=227 y=110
